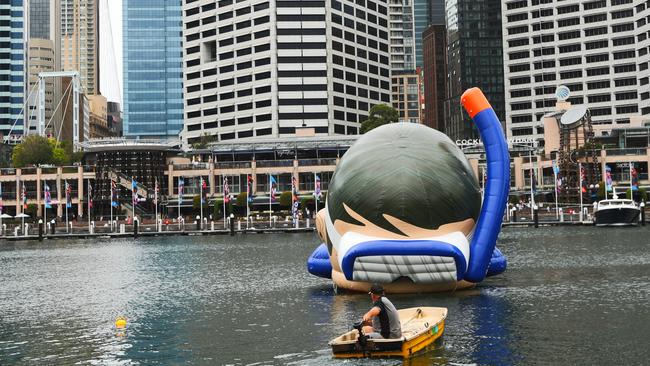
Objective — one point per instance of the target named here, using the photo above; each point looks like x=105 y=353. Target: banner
x=47 y=196
x=68 y=195
x=274 y=185
x=294 y=198
x=608 y=178
x=226 y=190
x=249 y=188
x=317 y=191
x=181 y=188
x=114 y=194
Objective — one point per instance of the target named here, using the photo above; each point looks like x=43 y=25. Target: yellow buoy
x=120 y=322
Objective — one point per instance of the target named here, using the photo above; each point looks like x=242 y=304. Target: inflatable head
x=400 y=210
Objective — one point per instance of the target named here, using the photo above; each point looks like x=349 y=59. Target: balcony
x=274 y=163
x=629 y=151
x=317 y=162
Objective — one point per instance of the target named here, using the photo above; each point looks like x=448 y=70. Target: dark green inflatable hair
x=408 y=171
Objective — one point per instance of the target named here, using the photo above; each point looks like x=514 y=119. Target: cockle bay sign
x=511 y=142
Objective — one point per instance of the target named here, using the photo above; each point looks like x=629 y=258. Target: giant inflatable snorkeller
x=404 y=209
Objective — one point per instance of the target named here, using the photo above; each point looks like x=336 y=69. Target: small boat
x=616 y=212
x=420 y=327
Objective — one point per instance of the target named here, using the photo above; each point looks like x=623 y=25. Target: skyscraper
x=80 y=41
x=266 y=68
x=435 y=75
x=153 y=68
x=12 y=66
x=600 y=50
x=474 y=58
x=44 y=56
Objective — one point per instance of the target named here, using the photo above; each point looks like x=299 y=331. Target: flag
x=48 y=197
x=533 y=181
x=608 y=178
x=317 y=191
x=558 y=179
x=68 y=195
x=181 y=188
x=24 y=197
x=156 y=190
x=635 y=179
x=226 y=190
x=249 y=188
x=274 y=185
x=294 y=198
x=134 y=192
x=114 y=194
x=204 y=187
x=90 y=195
x=583 y=177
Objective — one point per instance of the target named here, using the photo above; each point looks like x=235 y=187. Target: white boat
x=616 y=212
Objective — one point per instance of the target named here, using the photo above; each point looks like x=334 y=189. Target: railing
x=195 y=166
x=274 y=163
x=628 y=151
x=8 y=171
x=233 y=165
x=317 y=162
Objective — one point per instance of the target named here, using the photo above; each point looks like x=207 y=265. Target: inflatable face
x=403 y=209
x=401 y=206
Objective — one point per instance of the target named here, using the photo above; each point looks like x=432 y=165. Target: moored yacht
x=616 y=212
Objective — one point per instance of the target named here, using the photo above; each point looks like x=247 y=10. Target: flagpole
x=44 y=209
x=1 y=209
x=88 y=193
x=557 y=209
x=315 y=196
x=580 y=188
x=270 y=198
x=179 y=201
x=155 y=193
x=631 y=185
x=223 y=188
x=201 y=202
x=249 y=193
x=111 y=204
x=67 y=226
x=532 y=177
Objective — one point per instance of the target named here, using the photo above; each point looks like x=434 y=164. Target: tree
x=33 y=150
x=204 y=141
x=241 y=199
x=379 y=115
x=285 y=199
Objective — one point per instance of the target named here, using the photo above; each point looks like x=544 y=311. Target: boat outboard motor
x=362 y=340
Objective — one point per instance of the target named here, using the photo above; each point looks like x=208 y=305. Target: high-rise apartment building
x=427 y=12
x=44 y=56
x=435 y=75
x=80 y=41
x=41 y=59
x=474 y=59
x=598 y=49
x=12 y=66
x=260 y=68
x=405 y=80
x=153 y=68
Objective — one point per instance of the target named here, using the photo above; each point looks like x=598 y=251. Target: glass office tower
x=474 y=58
x=12 y=67
x=153 y=68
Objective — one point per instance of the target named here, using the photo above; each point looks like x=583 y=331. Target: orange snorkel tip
x=474 y=101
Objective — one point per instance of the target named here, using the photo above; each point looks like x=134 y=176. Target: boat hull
x=420 y=330
x=619 y=216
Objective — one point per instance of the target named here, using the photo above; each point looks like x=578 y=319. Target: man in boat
x=385 y=320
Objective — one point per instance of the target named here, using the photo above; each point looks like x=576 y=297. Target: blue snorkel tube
x=497 y=185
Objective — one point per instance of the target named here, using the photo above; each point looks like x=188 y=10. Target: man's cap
x=377 y=289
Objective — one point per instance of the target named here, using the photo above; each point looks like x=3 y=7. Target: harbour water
x=571 y=295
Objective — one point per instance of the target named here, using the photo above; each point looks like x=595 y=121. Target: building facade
x=80 y=41
x=12 y=67
x=41 y=59
x=598 y=49
x=152 y=64
x=435 y=75
x=406 y=96
x=474 y=59
x=44 y=56
x=255 y=68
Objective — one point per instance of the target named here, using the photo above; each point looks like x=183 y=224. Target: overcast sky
x=110 y=53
